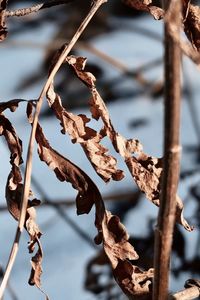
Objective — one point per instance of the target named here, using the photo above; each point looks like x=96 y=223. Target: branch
x=129 y=195
x=11 y=290
x=186 y=48
x=3 y=28
x=190 y=98
x=191 y=291
x=186 y=294
x=28 y=169
x=21 y=12
x=123 y=68
x=170 y=176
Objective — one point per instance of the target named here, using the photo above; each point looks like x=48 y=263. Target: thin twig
x=126 y=71
x=140 y=30
x=10 y=288
x=191 y=291
x=68 y=203
x=28 y=169
x=186 y=294
x=191 y=104
x=186 y=47
x=170 y=177
x=21 y=12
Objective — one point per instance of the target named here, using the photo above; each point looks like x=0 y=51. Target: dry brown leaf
x=14 y=186
x=75 y=125
x=146 y=170
x=14 y=190
x=3 y=28
x=145 y=5
x=31 y=225
x=115 y=240
x=134 y=282
x=12 y=105
x=191 y=21
x=110 y=231
x=36 y=271
x=64 y=169
x=14 y=143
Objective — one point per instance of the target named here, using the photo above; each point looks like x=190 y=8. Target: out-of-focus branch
x=191 y=104
x=81 y=233
x=135 y=74
x=11 y=290
x=35 y=8
x=71 y=202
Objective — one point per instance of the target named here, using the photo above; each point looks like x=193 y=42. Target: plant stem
x=28 y=169
x=21 y=12
x=170 y=176
x=186 y=294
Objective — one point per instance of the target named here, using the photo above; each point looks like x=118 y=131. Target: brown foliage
x=110 y=230
x=14 y=189
x=146 y=5
x=191 y=17
x=75 y=125
x=191 y=22
x=146 y=170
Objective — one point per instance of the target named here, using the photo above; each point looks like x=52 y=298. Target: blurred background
x=125 y=52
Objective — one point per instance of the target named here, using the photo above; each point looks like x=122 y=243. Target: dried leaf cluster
x=190 y=17
x=145 y=170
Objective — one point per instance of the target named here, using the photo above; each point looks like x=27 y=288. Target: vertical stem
x=170 y=177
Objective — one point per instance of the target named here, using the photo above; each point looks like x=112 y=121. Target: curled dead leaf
x=36 y=271
x=146 y=5
x=146 y=170
x=115 y=239
x=13 y=142
x=191 y=23
x=12 y=105
x=110 y=230
x=14 y=191
x=135 y=283
x=132 y=280
x=36 y=262
x=89 y=139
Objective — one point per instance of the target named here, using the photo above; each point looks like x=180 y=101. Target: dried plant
x=156 y=177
